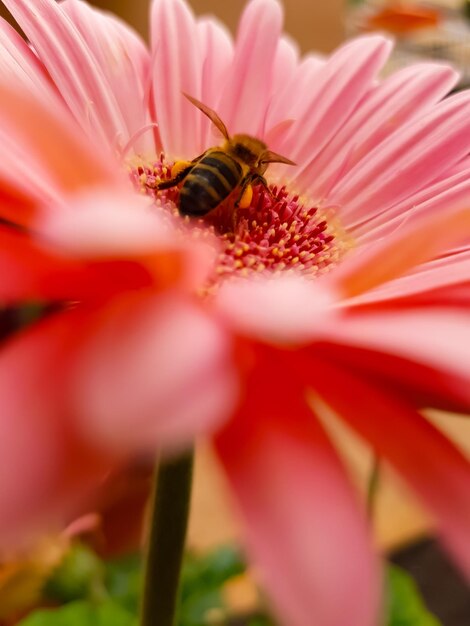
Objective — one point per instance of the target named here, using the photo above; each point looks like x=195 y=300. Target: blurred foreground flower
x=345 y=288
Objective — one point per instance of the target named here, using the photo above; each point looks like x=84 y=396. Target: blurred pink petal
x=154 y=371
x=50 y=134
x=437 y=471
x=394 y=256
x=302 y=524
x=56 y=466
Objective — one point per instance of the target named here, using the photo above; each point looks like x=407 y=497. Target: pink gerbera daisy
x=345 y=287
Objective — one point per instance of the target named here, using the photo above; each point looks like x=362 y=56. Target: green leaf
x=124 y=579
x=82 y=614
x=79 y=577
x=202 y=579
x=405 y=606
x=210 y=571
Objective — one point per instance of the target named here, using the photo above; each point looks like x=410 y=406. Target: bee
x=212 y=176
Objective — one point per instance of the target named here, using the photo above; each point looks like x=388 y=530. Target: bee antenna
x=211 y=114
x=272 y=157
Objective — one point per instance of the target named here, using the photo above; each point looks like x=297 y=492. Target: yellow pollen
x=178 y=167
x=246 y=198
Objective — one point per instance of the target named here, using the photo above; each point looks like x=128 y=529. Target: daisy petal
x=217 y=54
x=46 y=468
x=421 y=385
x=407 y=161
x=102 y=225
x=401 y=97
x=25 y=269
x=290 y=102
x=399 y=253
x=303 y=528
x=289 y=310
x=53 y=138
x=437 y=471
x=430 y=282
x=452 y=191
x=177 y=68
x=335 y=91
x=153 y=371
x=18 y=62
x=248 y=87
x=33 y=273
x=72 y=66
x=123 y=60
x=407 y=336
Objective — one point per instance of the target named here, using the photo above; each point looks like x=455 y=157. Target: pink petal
x=46 y=469
x=303 y=526
x=285 y=63
x=18 y=62
x=436 y=470
x=426 y=282
x=102 y=225
x=217 y=54
x=73 y=67
x=405 y=95
x=334 y=92
x=395 y=255
x=407 y=161
x=290 y=101
x=288 y=310
x=25 y=181
x=32 y=273
x=153 y=371
x=421 y=385
x=124 y=61
x=56 y=144
x=437 y=338
x=246 y=93
x=177 y=68
x=453 y=191
x=25 y=268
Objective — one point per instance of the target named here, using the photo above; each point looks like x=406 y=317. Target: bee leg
x=179 y=171
x=262 y=180
x=175 y=180
x=246 y=194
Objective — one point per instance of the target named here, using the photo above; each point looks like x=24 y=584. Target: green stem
x=167 y=534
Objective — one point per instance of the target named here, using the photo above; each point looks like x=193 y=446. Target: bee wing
x=272 y=157
x=212 y=115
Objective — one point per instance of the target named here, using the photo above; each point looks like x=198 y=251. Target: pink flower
x=345 y=289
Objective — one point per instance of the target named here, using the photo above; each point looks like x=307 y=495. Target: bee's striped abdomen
x=210 y=181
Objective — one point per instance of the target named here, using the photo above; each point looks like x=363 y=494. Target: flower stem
x=167 y=534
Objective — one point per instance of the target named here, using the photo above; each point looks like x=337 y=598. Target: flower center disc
x=277 y=232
